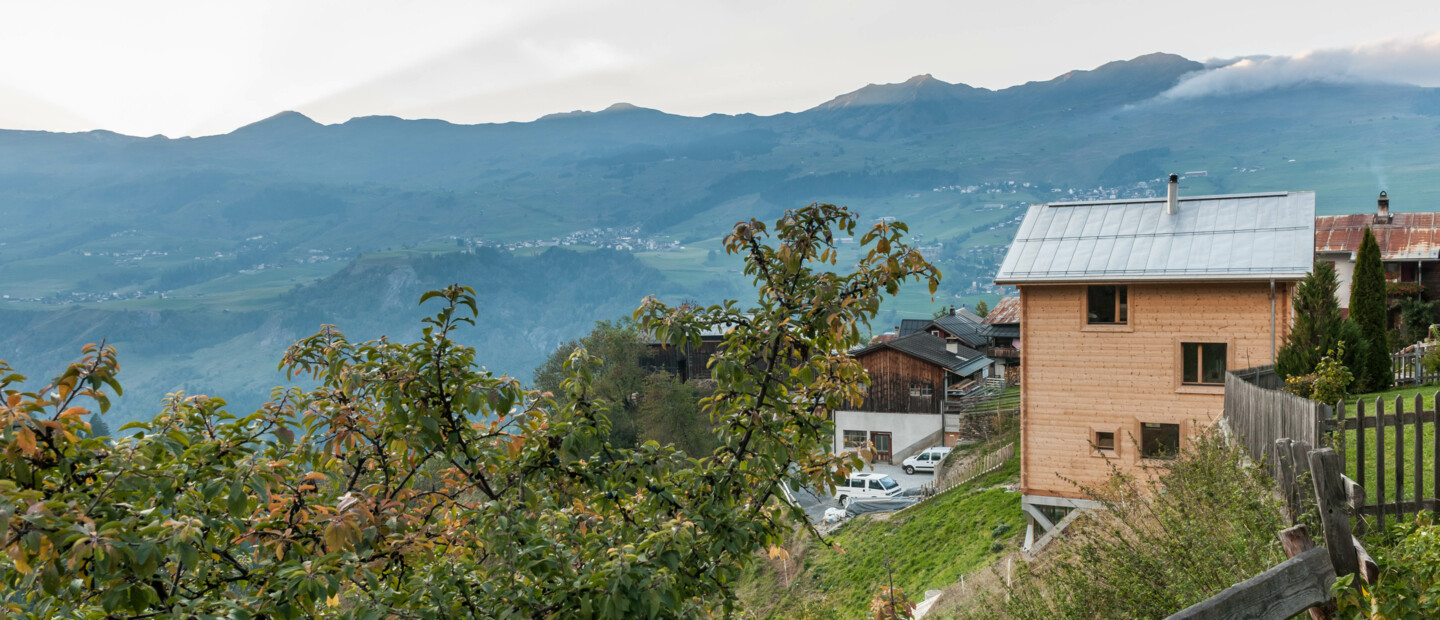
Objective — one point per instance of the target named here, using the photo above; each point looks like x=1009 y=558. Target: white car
x=867 y=485
x=925 y=461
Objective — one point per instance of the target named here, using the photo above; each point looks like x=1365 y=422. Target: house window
x=1204 y=363
x=1159 y=441
x=1107 y=304
x=856 y=439
x=1104 y=441
x=921 y=389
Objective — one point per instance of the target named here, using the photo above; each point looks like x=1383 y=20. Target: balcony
x=1002 y=353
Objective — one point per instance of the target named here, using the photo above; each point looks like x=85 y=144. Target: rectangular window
x=1159 y=441
x=856 y=439
x=1203 y=363
x=1104 y=441
x=1107 y=304
x=921 y=389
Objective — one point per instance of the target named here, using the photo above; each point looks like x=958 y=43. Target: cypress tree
x=1317 y=323
x=1367 y=308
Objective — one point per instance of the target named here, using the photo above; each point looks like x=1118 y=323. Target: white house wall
x=906 y=429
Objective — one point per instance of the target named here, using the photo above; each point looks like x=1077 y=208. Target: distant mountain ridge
x=225 y=227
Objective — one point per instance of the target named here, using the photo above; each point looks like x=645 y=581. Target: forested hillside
x=527 y=306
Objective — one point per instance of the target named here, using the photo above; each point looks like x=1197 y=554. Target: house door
x=881 y=441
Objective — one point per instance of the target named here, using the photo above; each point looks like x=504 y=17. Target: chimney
x=1382 y=209
x=1172 y=195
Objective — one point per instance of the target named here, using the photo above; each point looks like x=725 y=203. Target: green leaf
x=237 y=503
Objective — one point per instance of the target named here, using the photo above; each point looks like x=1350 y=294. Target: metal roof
x=1229 y=237
x=1408 y=236
x=962 y=327
x=1001 y=330
x=1006 y=310
x=928 y=348
x=910 y=326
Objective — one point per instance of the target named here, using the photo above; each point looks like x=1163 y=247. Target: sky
x=182 y=68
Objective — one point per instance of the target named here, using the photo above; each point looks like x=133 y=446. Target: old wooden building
x=909 y=380
x=1131 y=312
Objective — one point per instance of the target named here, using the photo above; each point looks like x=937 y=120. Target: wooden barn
x=1131 y=312
x=910 y=378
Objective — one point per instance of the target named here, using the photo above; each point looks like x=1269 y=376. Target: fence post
x=1380 y=459
x=1326 y=469
x=1399 y=459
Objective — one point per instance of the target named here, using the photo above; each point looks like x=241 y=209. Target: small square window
x=856 y=439
x=1203 y=363
x=1107 y=304
x=1159 y=441
x=1104 y=441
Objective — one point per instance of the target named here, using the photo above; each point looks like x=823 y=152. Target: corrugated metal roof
x=910 y=326
x=1230 y=237
x=1006 y=310
x=1408 y=236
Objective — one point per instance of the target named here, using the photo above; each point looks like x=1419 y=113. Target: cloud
x=1411 y=61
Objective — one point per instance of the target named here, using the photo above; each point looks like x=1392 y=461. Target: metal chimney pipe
x=1172 y=195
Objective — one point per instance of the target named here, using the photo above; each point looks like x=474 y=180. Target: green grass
x=929 y=546
x=1427 y=444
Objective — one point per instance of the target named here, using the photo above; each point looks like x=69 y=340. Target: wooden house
x=1409 y=248
x=1131 y=312
x=910 y=378
x=1001 y=328
x=686 y=363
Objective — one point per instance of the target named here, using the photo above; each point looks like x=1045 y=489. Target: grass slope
x=930 y=546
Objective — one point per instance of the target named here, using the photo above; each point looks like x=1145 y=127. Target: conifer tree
x=1317 y=323
x=1367 y=309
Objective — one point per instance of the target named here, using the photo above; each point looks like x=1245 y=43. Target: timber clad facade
x=1131 y=312
x=1079 y=379
x=900 y=383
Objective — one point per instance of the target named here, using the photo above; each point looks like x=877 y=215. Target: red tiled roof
x=1006 y=310
x=1407 y=236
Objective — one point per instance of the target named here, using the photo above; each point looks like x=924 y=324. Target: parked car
x=925 y=461
x=867 y=485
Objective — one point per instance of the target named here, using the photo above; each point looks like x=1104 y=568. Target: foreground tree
x=411 y=483
x=1367 y=309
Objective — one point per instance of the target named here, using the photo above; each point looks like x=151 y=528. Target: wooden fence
x=1410 y=370
x=1393 y=435
x=1258 y=413
x=967 y=471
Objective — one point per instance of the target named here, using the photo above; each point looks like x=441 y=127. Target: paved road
x=815 y=505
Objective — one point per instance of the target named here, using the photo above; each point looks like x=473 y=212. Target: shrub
x=1409 y=585
x=1166 y=539
x=1332 y=378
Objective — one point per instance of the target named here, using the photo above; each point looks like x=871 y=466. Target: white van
x=927 y=460
x=867 y=485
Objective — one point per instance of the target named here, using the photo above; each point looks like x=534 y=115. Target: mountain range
x=251 y=231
